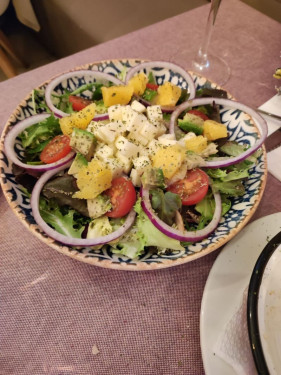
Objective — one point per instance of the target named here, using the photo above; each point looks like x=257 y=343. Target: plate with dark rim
x=264 y=309
x=227 y=281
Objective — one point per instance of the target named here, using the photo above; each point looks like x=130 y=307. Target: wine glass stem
x=202 y=56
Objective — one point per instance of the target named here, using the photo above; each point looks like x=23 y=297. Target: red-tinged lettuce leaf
x=62 y=189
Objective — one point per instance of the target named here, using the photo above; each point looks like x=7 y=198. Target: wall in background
x=69 y=26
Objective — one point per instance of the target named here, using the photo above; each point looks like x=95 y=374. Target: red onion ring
x=77 y=73
x=258 y=119
x=163 y=64
x=61 y=237
x=186 y=236
x=10 y=141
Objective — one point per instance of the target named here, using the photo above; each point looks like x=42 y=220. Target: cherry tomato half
x=122 y=197
x=193 y=188
x=56 y=149
x=199 y=113
x=78 y=103
x=152 y=86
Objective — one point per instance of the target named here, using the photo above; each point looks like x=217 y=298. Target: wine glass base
x=214 y=68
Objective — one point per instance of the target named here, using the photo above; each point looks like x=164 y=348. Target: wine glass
x=205 y=63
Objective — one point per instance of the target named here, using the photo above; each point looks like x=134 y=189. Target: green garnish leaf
x=149 y=94
x=165 y=204
x=151 y=78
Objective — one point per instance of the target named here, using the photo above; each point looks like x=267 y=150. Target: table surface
x=55 y=310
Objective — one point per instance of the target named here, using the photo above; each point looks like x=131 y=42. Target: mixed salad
x=104 y=90
x=139 y=178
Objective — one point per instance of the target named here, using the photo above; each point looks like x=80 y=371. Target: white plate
x=264 y=307
x=226 y=283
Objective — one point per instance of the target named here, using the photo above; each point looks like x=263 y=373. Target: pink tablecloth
x=56 y=313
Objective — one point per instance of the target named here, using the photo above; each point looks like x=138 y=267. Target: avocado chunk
x=78 y=162
x=100 y=107
x=98 y=206
x=99 y=227
x=84 y=142
x=153 y=177
x=191 y=123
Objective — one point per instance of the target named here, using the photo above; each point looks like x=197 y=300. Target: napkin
x=233 y=345
x=273 y=106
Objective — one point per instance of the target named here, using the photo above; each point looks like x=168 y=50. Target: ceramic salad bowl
x=240 y=126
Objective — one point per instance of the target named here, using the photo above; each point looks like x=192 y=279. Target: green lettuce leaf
x=233 y=188
x=38 y=101
x=233 y=148
x=165 y=204
x=229 y=180
x=209 y=91
x=216 y=173
x=63 y=223
x=38 y=133
x=143 y=234
x=236 y=175
x=206 y=207
x=224 y=175
x=131 y=244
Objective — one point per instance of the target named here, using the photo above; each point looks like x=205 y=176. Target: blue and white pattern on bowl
x=162 y=73
x=73 y=80
x=241 y=211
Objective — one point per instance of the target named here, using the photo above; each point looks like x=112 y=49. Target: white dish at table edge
x=264 y=309
x=226 y=283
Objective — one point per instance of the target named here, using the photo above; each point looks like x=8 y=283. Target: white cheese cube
x=139 y=123
x=148 y=130
x=154 y=114
x=135 y=178
x=144 y=151
x=108 y=132
x=93 y=126
x=138 y=107
x=102 y=144
x=105 y=135
x=115 y=126
x=116 y=166
x=168 y=136
x=125 y=162
x=126 y=147
x=129 y=117
x=137 y=138
x=115 y=112
x=161 y=129
x=153 y=147
x=167 y=140
x=104 y=152
x=141 y=163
